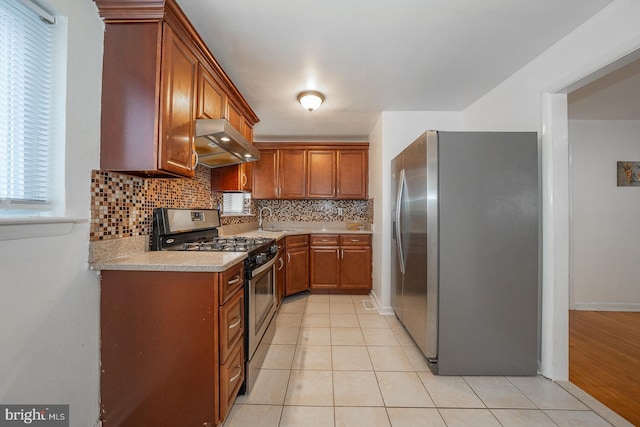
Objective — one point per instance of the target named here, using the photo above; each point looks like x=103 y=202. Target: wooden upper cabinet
x=158 y=77
x=235 y=177
x=234 y=116
x=211 y=98
x=179 y=85
x=352 y=174
x=311 y=171
x=265 y=175
x=148 y=101
x=292 y=165
x=321 y=174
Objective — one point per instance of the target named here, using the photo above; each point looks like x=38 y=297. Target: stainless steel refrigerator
x=465 y=275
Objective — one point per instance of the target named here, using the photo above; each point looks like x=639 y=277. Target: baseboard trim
x=382 y=310
x=606 y=306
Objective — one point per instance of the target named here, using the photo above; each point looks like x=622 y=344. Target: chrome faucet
x=260 y=216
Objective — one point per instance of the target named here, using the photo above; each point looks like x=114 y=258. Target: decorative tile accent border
x=318 y=210
x=122 y=205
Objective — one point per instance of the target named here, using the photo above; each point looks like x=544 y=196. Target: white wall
x=393 y=132
x=604 y=217
x=49 y=309
x=525 y=101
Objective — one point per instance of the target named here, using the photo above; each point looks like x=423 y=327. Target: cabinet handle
x=281 y=264
x=233 y=281
x=236 y=376
x=195 y=154
x=288 y=257
x=245 y=180
x=342 y=253
x=355 y=240
x=236 y=323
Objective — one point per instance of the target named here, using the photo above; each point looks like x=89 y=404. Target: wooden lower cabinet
x=172 y=346
x=355 y=268
x=340 y=262
x=159 y=348
x=231 y=378
x=281 y=270
x=297 y=264
x=231 y=337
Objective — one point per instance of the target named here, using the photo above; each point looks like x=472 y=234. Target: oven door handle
x=264 y=267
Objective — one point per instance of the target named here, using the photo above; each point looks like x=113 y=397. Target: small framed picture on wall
x=628 y=174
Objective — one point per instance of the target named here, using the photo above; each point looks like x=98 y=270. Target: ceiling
x=369 y=56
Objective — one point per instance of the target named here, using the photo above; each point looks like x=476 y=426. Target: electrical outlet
x=339 y=211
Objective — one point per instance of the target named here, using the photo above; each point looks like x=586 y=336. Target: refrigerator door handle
x=398 y=229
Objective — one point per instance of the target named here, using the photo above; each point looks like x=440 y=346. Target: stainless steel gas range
x=197 y=230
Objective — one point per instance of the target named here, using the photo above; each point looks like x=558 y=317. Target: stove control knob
x=261 y=258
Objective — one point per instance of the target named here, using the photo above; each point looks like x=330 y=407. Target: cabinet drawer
x=232 y=324
x=230 y=281
x=325 y=240
x=231 y=378
x=299 y=240
x=355 y=240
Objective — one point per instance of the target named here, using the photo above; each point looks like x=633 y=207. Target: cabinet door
x=231 y=319
x=234 y=116
x=211 y=97
x=280 y=274
x=321 y=174
x=246 y=169
x=158 y=325
x=265 y=175
x=292 y=165
x=232 y=178
x=325 y=267
x=178 y=106
x=297 y=270
x=352 y=174
x=355 y=269
x=231 y=378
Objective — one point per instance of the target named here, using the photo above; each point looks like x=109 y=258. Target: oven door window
x=263 y=288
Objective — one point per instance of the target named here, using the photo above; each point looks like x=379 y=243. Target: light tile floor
x=333 y=362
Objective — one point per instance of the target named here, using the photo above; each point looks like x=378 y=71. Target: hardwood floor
x=604 y=358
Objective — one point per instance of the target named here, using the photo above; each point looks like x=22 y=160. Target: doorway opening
x=603 y=112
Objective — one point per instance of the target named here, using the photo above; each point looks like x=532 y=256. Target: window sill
x=32 y=227
x=235 y=214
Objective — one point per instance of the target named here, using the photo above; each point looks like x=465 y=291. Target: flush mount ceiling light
x=310 y=99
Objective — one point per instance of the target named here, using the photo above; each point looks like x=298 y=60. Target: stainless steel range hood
x=219 y=144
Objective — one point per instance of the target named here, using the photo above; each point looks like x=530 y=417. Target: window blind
x=26 y=79
x=233 y=203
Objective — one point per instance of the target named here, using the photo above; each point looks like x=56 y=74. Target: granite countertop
x=132 y=253
x=172 y=261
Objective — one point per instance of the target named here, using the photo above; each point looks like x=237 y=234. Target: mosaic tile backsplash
x=122 y=205
x=318 y=210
